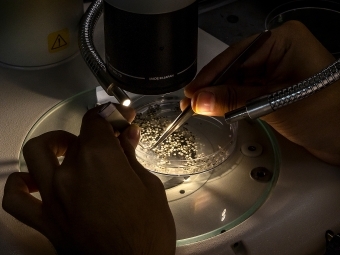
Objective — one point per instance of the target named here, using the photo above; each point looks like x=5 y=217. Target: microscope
x=150 y=46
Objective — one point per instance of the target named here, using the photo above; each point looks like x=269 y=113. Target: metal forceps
x=188 y=112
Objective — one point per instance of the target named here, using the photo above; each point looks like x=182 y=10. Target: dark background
x=236 y=20
x=233 y=20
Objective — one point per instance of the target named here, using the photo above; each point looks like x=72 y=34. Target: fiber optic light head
x=126 y=102
x=119 y=94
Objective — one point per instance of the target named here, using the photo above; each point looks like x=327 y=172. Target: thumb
x=132 y=134
x=218 y=100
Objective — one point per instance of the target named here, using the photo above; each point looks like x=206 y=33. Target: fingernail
x=133 y=132
x=205 y=102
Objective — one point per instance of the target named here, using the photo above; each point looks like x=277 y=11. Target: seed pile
x=181 y=145
x=182 y=153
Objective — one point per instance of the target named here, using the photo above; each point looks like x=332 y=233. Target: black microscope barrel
x=151 y=45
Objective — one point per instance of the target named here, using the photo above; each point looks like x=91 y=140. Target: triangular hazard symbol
x=58 y=43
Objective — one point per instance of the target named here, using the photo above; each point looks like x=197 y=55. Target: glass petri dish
x=203 y=205
x=200 y=145
x=319 y=16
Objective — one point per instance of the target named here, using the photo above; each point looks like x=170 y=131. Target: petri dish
x=203 y=205
x=319 y=16
x=200 y=145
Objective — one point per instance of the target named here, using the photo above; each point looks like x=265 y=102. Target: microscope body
x=151 y=45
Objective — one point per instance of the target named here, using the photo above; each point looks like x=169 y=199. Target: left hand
x=99 y=200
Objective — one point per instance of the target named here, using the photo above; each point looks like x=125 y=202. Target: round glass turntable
x=203 y=205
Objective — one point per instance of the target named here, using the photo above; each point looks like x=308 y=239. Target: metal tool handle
x=264 y=105
x=177 y=123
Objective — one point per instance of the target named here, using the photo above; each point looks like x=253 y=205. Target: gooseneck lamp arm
x=91 y=56
x=264 y=105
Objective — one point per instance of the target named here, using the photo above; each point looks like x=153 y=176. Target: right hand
x=289 y=56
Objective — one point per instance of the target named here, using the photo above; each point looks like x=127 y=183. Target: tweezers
x=237 y=62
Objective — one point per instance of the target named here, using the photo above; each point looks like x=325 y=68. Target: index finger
x=100 y=150
x=41 y=155
x=98 y=136
x=96 y=130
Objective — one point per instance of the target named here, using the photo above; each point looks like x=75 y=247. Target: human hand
x=99 y=200
x=289 y=56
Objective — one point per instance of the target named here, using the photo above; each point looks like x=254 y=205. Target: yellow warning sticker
x=58 y=40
